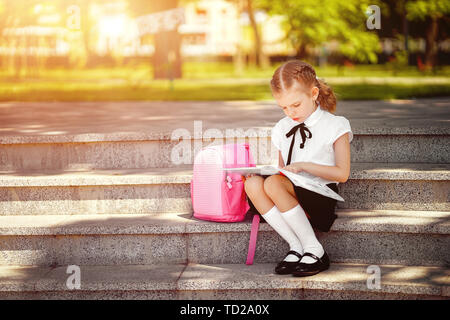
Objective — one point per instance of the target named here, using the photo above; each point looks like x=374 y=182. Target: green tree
x=432 y=11
x=312 y=23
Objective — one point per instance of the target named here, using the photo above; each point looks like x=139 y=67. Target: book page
x=311 y=185
x=297 y=179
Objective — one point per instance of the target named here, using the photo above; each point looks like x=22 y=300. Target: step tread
x=396 y=279
x=349 y=220
x=167 y=135
x=183 y=174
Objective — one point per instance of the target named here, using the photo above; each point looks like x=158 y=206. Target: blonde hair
x=296 y=71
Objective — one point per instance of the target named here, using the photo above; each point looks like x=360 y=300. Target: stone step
x=357 y=236
x=397 y=186
x=126 y=191
x=223 y=281
x=161 y=150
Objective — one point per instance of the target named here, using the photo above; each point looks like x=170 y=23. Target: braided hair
x=299 y=72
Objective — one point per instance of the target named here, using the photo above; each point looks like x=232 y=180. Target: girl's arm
x=280 y=160
x=340 y=172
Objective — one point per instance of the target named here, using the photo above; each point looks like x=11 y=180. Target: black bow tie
x=303 y=130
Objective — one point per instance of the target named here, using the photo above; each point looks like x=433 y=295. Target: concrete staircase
x=120 y=209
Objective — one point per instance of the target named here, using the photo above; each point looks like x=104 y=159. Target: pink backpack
x=220 y=196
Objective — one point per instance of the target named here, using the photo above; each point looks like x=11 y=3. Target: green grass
x=214 y=81
x=194 y=90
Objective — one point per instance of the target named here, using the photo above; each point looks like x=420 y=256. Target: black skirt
x=320 y=210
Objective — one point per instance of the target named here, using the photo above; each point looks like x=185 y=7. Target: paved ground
x=65 y=118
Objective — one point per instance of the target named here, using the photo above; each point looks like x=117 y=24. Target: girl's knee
x=254 y=184
x=273 y=184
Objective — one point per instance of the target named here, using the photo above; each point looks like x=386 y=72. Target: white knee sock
x=274 y=219
x=299 y=223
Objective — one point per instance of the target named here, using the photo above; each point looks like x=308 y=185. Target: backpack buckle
x=229 y=182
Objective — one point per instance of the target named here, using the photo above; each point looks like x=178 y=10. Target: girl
x=311 y=141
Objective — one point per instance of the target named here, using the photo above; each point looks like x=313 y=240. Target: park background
x=122 y=50
x=99 y=98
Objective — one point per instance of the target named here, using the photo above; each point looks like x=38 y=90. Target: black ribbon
x=303 y=130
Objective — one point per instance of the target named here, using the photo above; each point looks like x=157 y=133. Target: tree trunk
x=405 y=31
x=431 y=47
x=238 y=57
x=301 y=52
x=261 y=59
x=85 y=27
x=166 y=58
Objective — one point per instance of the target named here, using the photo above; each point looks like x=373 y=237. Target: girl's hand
x=295 y=167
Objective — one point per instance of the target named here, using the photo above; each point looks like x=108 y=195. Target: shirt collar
x=312 y=119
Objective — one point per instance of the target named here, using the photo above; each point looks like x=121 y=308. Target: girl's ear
x=314 y=92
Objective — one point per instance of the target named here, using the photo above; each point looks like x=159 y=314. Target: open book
x=297 y=179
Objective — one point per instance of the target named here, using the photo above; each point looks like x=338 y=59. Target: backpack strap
x=253 y=237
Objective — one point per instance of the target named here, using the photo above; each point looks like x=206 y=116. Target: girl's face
x=298 y=102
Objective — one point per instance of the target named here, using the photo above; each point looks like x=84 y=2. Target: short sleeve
x=342 y=128
x=275 y=137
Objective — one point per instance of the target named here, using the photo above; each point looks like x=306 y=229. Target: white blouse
x=325 y=129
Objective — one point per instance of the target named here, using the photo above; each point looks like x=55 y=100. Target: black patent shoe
x=309 y=269
x=286 y=267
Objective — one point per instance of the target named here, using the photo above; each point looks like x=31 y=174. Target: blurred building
x=215 y=27
x=211 y=28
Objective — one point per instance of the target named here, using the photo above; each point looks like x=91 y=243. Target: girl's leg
x=254 y=187
x=281 y=192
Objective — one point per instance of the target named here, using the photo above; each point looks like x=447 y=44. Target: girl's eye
x=295 y=106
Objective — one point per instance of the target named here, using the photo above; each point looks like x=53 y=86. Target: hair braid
x=299 y=72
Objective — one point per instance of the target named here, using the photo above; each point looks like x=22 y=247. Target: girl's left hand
x=294 y=167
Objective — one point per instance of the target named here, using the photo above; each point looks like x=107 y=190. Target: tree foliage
x=421 y=9
x=312 y=23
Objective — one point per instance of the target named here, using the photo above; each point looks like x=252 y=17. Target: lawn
x=214 y=81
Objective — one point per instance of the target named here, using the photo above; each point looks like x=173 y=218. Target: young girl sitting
x=311 y=141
